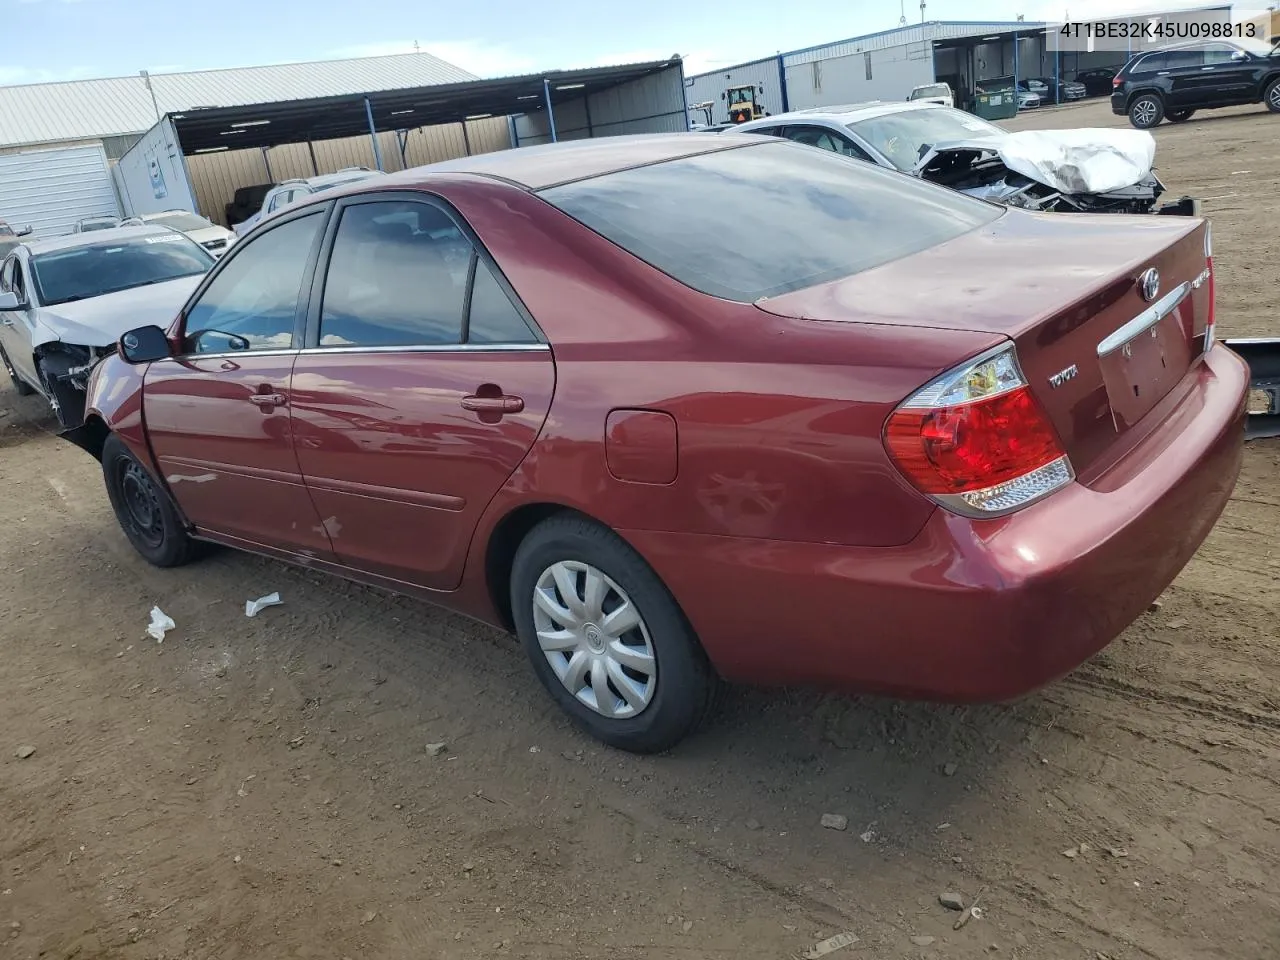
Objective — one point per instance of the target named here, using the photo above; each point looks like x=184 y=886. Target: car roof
x=340 y=176
x=166 y=213
x=845 y=113
x=92 y=239
x=548 y=164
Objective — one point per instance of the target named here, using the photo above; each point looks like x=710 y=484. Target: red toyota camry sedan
x=678 y=408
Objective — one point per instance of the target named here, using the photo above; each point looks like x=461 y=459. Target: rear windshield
x=764 y=220
x=80 y=273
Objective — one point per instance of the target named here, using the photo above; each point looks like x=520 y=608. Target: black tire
x=1272 y=96
x=143 y=509
x=1179 y=116
x=24 y=389
x=1146 y=111
x=683 y=681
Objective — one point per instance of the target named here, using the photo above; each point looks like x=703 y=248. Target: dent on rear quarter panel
x=779 y=420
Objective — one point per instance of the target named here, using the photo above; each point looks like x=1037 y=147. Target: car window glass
x=252 y=303
x=6 y=274
x=1151 y=63
x=17 y=282
x=493 y=317
x=826 y=140
x=397 y=277
x=1184 y=59
x=1218 y=53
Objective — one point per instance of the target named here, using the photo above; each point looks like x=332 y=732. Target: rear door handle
x=267 y=401
x=1206 y=68
x=500 y=404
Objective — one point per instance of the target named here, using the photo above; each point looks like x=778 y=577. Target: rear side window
x=1150 y=63
x=759 y=221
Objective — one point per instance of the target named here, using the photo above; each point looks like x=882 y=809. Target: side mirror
x=144 y=345
x=9 y=301
x=1239 y=55
x=25 y=231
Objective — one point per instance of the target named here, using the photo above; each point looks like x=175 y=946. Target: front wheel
x=143 y=509
x=1272 y=96
x=1146 y=111
x=606 y=638
x=1179 y=116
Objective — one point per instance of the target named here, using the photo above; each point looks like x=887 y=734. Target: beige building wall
x=215 y=177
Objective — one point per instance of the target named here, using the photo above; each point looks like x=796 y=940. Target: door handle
x=499 y=404
x=1163 y=73
x=267 y=401
x=1206 y=68
x=7 y=321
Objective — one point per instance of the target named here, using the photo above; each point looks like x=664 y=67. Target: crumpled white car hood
x=1088 y=160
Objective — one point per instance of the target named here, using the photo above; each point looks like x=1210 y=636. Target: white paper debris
x=831 y=945
x=160 y=624
x=251 y=607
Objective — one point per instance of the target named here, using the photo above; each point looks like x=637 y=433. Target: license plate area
x=1144 y=360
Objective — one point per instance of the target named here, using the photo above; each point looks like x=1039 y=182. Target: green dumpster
x=995 y=99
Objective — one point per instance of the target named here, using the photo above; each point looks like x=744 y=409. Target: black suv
x=1177 y=81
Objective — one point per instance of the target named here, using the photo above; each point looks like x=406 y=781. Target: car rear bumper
x=1118 y=106
x=971 y=611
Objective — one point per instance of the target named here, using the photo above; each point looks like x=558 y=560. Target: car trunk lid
x=1068 y=290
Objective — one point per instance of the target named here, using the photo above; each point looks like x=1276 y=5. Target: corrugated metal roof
x=89 y=109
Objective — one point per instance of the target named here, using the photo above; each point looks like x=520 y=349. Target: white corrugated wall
x=712 y=86
x=50 y=190
x=882 y=74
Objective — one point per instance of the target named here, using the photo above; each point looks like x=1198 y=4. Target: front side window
x=814 y=216
x=1218 y=53
x=252 y=304
x=81 y=273
x=399 y=276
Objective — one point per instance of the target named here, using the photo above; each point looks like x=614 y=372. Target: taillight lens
x=977 y=441
x=1116 y=81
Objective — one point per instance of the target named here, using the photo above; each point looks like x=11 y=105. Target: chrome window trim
x=1144 y=321
x=409 y=348
x=431 y=348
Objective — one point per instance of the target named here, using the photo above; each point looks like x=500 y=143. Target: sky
x=51 y=40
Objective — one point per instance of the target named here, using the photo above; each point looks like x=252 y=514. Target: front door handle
x=498 y=404
x=1206 y=68
x=7 y=321
x=267 y=401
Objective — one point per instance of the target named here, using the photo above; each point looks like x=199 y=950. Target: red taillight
x=977 y=441
x=1115 y=82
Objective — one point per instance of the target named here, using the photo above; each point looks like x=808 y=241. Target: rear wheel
x=1146 y=111
x=1272 y=96
x=606 y=638
x=143 y=508
x=1179 y=116
x=24 y=389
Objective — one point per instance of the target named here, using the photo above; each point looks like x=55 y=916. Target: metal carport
x=533 y=108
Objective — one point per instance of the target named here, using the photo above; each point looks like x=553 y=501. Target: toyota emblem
x=1149 y=284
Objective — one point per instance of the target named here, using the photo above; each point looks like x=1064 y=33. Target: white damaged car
x=65 y=301
x=1083 y=170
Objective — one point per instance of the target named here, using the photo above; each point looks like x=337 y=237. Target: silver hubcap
x=1275 y=96
x=1145 y=111
x=594 y=639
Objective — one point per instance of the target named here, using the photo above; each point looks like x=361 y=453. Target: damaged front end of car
x=65 y=369
x=1056 y=171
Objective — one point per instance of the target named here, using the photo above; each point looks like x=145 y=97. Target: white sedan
x=217 y=240
x=64 y=302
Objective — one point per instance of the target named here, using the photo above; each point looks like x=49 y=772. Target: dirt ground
x=262 y=788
